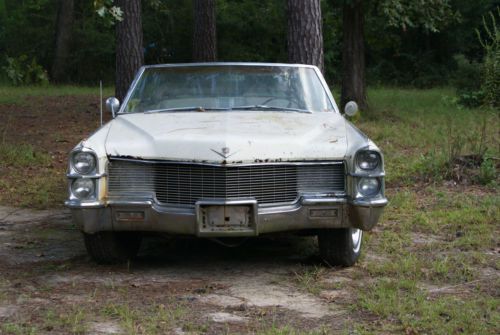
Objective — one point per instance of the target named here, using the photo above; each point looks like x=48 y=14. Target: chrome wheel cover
x=356 y=236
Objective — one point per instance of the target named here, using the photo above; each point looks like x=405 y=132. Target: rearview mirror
x=351 y=108
x=113 y=105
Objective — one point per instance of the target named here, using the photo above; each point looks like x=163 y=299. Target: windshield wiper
x=191 y=108
x=273 y=108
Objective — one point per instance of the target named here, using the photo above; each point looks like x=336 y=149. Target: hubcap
x=356 y=235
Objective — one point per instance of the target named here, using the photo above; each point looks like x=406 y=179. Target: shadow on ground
x=247 y=288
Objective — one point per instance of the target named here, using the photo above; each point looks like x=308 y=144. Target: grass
x=403 y=301
x=437 y=265
x=420 y=131
x=16 y=95
x=155 y=319
x=31 y=178
x=22 y=155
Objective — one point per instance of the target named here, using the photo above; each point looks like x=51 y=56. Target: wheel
x=112 y=247
x=340 y=246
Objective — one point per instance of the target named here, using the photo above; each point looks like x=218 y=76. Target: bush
x=467 y=81
x=487 y=171
x=22 y=71
x=491 y=45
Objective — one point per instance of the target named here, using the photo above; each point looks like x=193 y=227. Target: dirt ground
x=431 y=266
x=215 y=289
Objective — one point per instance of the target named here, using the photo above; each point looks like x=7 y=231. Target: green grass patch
x=22 y=155
x=401 y=301
x=421 y=133
x=17 y=329
x=155 y=319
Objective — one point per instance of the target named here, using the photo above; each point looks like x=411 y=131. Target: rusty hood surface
x=228 y=137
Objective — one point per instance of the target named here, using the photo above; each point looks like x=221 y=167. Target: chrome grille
x=184 y=184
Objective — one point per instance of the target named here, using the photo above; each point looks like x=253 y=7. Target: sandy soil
x=44 y=269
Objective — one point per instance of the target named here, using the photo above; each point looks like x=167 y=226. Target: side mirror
x=113 y=105
x=351 y=108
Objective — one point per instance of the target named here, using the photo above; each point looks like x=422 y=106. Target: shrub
x=487 y=171
x=467 y=80
x=491 y=45
x=22 y=71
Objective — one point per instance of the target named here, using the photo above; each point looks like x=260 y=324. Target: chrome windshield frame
x=141 y=71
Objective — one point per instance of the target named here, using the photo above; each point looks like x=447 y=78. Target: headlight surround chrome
x=84 y=162
x=83 y=188
x=368 y=160
x=368 y=187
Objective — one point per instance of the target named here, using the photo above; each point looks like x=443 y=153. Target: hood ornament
x=224 y=152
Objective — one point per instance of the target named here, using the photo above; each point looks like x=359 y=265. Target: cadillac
x=224 y=151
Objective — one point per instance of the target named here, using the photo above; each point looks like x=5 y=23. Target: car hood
x=228 y=137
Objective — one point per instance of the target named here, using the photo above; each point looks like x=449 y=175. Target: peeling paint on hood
x=228 y=137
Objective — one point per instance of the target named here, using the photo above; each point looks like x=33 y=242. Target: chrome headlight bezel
x=83 y=188
x=79 y=158
x=367 y=190
x=368 y=160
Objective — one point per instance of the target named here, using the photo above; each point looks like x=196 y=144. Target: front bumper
x=148 y=216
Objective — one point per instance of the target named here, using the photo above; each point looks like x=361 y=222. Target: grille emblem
x=224 y=153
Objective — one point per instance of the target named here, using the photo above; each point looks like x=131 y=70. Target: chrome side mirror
x=351 y=108
x=113 y=105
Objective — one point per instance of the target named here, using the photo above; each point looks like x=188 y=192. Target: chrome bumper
x=148 y=216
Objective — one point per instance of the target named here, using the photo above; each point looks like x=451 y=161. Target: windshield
x=228 y=87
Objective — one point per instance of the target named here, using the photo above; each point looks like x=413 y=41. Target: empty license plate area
x=232 y=219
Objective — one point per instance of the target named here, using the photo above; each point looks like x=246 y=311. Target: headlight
x=84 y=162
x=368 y=186
x=368 y=160
x=82 y=188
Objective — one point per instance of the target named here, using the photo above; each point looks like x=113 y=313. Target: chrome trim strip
x=294 y=163
x=367 y=175
x=82 y=204
x=130 y=202
x=129 y=92
x=381 y=202
x=92 y=176
x=226 y=64
x=323 y=201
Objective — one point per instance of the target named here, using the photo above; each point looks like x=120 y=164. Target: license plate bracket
x=226 y=218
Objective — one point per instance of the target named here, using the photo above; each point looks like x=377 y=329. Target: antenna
x=100 y=92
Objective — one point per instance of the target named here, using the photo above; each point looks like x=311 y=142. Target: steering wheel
x=290 y=101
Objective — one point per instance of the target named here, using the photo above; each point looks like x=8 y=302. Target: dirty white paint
x=247 y=136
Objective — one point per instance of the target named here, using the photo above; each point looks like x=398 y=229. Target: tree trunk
x=305 y=33
x=129 y=50
x=65 y=17
x=353 y=55
x=204 y=31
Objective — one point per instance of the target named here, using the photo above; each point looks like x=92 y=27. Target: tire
x=340 y=246
x=112 y=247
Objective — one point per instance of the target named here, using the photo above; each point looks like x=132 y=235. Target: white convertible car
x=225 y=150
